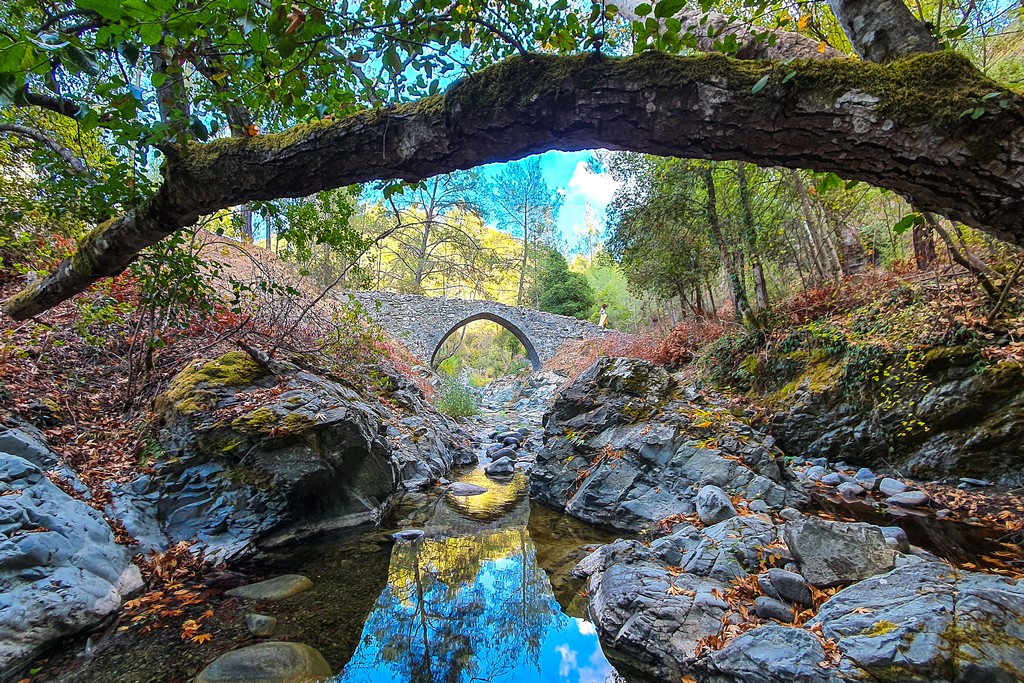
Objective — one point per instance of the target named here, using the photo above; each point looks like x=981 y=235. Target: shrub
x=457 y=400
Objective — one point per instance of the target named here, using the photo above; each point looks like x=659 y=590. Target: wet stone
x=896 y=538
x=849 y=490
x=501 y=466
x=461 y=488
x=891 y=487
x=909 y=499
x=278 y=588
x=409 y=534
x=260 y=625
x=814 y=473
x=273 y=662
x=866 y=478
x=832 y=479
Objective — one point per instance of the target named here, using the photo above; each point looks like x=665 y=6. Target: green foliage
x=561 y=290
x=456 y=399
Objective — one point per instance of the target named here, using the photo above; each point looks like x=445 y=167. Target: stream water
x=473 y=599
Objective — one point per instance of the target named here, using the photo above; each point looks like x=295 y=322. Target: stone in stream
x=770 y=608
x=510 y=442
x=509 y=435
x=975 y=482
x=272 y=662
x=524 y=431
x=277 y=588
x=832 y=479
x=815 y=473
x=790 y=586
x=503 y=452
x=61 y=570
x=849 y=490
x=836 y=553
x=929 y=622
x=891 y=487
x=501 y=466
x=260 y=625
x=768 y=654
x=896 y=538
x=909 y=499
x=714 y=506
x=462 y=488
x=409 y=534
x=866 y=478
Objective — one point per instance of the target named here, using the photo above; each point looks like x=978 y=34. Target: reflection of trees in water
x=471 y=608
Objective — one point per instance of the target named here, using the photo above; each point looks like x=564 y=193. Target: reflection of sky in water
x=473 y=608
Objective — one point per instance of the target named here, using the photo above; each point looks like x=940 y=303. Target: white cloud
x=596 y=188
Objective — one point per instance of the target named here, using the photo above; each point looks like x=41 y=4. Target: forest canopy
x=140 y=117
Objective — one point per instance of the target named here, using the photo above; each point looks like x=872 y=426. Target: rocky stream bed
x=621 y=527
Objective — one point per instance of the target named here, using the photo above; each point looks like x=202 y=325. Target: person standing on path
x=603 y=322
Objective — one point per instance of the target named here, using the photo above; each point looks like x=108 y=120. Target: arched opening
x=531 y=351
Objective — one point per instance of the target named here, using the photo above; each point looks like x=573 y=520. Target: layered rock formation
x=625 y=447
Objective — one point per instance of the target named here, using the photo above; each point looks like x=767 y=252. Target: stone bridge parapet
x=422 y=323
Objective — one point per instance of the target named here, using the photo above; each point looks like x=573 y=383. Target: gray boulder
x=261 y=625
x=463 y=488
x=866 y=478
x=272 y=662
x=501 y=466
x=896 y=538
x=624 y=449
x=314 y=456
x=849 y=490
x=654 y=616
x=60 y=570
x=768 y=654
x=909 y=499
x=836 y=553
x=890 y=487
x=277 y=588
x=714 y=506
x=790 y=586
x=771 y=608
x=929 y=622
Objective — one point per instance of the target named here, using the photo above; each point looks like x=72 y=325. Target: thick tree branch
x=896 y=126
x=69 y=157
x=60 y=105
x=882 y=30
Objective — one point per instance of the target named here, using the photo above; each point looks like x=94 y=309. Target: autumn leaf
x=821 y=47
x=801 y=24
x=201 y=638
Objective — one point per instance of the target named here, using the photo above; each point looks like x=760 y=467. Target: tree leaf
x=907 y=222
x=666 y=8
x=759 y=86
x=643 y=9
x=108 y=9
x=150 y=34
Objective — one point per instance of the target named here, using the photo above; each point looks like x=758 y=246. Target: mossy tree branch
x=897 y=126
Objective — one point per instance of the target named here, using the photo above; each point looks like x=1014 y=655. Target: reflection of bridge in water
x=422 y=323
x=469 y=602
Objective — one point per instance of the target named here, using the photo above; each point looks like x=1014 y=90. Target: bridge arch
x=517 y=332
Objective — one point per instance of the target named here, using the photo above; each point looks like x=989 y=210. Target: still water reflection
x=463 y=606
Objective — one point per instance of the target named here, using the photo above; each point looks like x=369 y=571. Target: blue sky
x=568 y=173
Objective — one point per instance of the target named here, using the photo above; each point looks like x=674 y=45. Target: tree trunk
x=732 y=276
x=924 y=246
x=835 y=115
x=750 y=234
x=882 y=30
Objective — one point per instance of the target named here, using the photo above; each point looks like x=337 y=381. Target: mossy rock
x=190 y=390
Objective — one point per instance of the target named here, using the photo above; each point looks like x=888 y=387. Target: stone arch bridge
x=422 y=323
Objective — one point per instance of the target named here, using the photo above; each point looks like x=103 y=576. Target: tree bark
x=882 y=30
x=896 y=127
x=750 y=234
x=732 y=275
x=70 y=158
x=924 y=247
